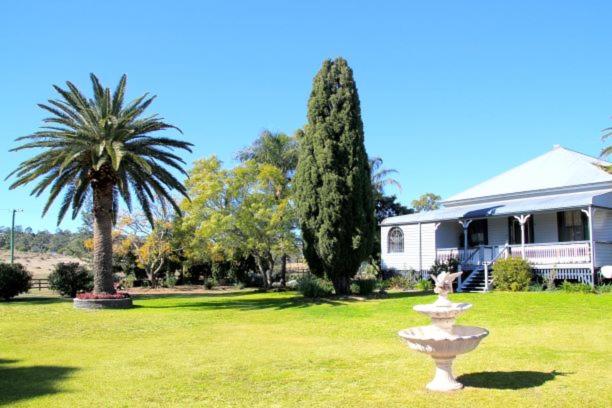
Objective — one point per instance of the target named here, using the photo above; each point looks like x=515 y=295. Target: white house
x=554 y=210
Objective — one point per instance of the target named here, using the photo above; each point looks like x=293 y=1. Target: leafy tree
x=150 y=243
x=237 y=213
x=280 y=151
x=426 y=202
x=103 y=148
x=333 y=185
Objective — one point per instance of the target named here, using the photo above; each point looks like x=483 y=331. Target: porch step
x=475 y=282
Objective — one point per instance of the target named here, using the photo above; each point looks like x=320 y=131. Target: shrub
x=169 y=281
x=400 y=282
x=424 y=285
x=14 y=279
x=536 y=287
x=575 y=287
x=70 y=278
x=313 y=287
x=451 y=265
x=604 y=288
x=513 y=274
x=363 y=287
x=129 y=280
x=209 y=283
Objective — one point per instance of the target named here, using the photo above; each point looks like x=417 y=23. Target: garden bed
x=93 y=301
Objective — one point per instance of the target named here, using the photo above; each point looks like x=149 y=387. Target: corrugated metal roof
x=601 y=198
x=555 y=169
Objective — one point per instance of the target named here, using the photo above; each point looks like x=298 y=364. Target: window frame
x=578 y=231
x=395 y=247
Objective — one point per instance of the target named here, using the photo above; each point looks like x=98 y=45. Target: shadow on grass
x=507 y=380
x=36 y=300
x=279 y=303
x=187 y=295
x=21 y=383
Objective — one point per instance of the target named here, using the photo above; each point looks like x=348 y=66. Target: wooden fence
x=40 y=284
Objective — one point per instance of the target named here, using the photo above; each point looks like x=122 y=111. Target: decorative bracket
x=465 y=223
x=522 y=219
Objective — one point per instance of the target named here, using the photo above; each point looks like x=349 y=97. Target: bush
x=452 y=265
x=363 y=287
x=14 y=279
x=424 y=285
x=129 y=281
x=575 y=287
x=209 y=283
x=604 y=288
x=513 y=274
x=400 y=282
x=536 y=287
x=169 y=281
x=70 y=278
x=313 y=287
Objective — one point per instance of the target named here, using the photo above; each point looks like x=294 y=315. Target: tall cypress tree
x=333 y=186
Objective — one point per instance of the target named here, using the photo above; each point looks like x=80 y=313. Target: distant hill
x=39 y=264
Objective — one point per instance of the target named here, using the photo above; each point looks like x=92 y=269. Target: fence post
x=486 y=273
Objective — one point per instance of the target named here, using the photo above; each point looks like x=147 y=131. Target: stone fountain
x=443 y=340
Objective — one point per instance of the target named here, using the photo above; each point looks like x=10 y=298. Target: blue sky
x=451 y=92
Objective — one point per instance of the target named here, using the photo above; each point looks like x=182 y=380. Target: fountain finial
x=444 y=286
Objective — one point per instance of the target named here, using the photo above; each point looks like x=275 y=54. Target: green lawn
x=247 y=349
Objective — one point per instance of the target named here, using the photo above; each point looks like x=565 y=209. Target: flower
x=118 y=295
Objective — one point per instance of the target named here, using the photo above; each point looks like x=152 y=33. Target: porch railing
x=576 y=252
x=558 y=253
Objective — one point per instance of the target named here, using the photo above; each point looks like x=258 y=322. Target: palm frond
x=101 y=139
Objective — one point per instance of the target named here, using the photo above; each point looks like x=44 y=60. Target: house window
x=514 y=231
x=478 y=234
x=396 y=240
x=572 y=226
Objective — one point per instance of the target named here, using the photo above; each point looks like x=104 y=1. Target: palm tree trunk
x=103 y=238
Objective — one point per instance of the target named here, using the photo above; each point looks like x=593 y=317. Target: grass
x=276 y=349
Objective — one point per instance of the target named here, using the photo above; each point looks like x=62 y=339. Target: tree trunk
x=341 y=285
x=262 y=271
x=103 y=238
x=283 y=276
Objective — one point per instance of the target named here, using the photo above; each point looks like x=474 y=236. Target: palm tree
x=380 y=176
x=101 y=148
x=277 y=149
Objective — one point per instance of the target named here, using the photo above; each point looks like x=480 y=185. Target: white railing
x=444 y=254
x=576 y=252
x=557 y=253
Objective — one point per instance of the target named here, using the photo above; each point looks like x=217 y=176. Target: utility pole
x=13 y=235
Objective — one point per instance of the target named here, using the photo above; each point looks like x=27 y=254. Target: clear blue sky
x=451 y=92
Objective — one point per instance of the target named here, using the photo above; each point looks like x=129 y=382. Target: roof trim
x=529 y=193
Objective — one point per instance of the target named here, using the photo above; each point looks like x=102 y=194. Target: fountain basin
x=440 y=343
x=443 y=315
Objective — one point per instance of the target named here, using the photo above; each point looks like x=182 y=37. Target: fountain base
x=444 y=380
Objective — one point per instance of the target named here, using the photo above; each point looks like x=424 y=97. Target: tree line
x=315 y=193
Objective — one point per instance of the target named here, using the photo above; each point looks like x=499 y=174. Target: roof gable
x=557 y=169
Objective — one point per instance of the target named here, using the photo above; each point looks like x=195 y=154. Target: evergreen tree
x=333 y=186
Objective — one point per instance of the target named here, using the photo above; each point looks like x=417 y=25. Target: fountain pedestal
x=444 y=379
x=443 y=340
